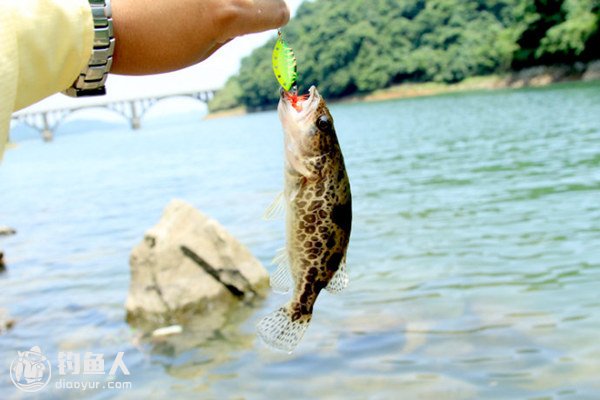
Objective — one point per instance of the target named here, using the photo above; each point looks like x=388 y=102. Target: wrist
x=92 y=77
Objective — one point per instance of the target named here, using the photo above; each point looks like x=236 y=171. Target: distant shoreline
x=530 y=77
x=232 y=112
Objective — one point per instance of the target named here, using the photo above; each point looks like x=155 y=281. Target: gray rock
x=188 y=264
x=592 y=71
x=7 y=231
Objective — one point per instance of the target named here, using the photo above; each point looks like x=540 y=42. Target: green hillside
x=357 y=46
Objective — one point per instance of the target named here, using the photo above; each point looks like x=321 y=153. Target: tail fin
x=279 y=331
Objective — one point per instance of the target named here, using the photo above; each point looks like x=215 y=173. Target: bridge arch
x=132 y=110
x=98 y=112
x=173 y=105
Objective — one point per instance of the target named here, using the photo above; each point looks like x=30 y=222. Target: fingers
x=269 y=14
x=250 y=16
x=168 y=35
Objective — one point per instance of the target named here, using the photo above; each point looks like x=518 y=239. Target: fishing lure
x=284 y=64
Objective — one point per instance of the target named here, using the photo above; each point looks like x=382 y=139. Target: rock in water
x=189 y=264
x=6 y=322
x=592 y=71
x=7 y=231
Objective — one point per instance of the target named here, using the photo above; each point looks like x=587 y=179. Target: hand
x=161 y=36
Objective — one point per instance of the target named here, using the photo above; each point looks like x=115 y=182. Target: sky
x=209 y=74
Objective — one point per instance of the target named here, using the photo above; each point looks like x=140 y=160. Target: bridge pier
x=46 y=132
x=135 y=119
x=47 y=135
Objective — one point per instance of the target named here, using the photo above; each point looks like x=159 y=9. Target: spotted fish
x=318 y=208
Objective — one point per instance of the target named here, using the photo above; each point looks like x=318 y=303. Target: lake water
x=474 y=261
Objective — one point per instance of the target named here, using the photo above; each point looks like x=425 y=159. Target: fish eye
x=324 y=123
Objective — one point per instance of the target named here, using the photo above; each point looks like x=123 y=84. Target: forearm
x=166 y=36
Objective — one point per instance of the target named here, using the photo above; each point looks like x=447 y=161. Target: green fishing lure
x=284 y=64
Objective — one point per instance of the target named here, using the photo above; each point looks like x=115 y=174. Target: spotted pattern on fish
x=321 y=217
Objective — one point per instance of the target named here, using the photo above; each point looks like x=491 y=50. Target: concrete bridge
x=133 y=110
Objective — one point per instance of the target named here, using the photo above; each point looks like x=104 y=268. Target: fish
x=318 y=206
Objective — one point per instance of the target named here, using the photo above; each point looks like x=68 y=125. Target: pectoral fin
x=276 y=209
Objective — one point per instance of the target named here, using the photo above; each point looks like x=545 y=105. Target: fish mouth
x=300 y=105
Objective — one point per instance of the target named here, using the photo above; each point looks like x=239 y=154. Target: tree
x=357 y=46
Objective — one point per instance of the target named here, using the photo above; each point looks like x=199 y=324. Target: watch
x=92 y=78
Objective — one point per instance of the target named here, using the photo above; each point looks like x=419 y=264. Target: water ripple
x=474 y=261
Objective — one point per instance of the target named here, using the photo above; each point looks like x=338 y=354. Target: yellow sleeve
x=44 y=44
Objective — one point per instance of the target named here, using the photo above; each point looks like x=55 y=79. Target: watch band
x=92 y=78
